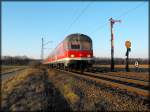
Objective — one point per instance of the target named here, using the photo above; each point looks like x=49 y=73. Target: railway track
x=124 y=80
x=105 y=71
x=135 y=86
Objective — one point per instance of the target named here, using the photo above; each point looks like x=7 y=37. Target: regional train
x=74 y=52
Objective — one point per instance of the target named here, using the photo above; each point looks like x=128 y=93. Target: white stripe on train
x=68 y=59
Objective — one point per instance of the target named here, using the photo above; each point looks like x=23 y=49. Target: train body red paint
x=75 y=51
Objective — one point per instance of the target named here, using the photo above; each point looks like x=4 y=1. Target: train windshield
x=75 y=45
x=83 y=45
x=86 y=45
x=80 y=43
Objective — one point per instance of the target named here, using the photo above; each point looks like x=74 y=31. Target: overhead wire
x=77 y=17
x=130 y=10
x=123 y=14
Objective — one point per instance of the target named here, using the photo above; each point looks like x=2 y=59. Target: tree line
x=98 y=60
x=24 y=60
x=17 y=60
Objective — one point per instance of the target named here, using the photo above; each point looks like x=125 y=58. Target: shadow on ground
x=55 y=100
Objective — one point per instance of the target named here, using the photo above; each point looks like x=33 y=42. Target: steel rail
x=124 y=79
x=127 y=77
x=129 y=88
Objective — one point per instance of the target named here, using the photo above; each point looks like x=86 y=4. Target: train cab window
x=75 y=45
x=86 y=45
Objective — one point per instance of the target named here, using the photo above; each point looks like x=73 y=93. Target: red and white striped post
x=112 y=42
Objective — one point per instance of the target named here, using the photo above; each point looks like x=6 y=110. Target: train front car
x=79 y=51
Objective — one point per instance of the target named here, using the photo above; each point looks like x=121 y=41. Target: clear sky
x=25 y=23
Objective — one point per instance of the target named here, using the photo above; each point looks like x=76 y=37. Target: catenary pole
x=42 y=50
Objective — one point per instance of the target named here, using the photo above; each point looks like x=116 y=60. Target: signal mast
x=112 y=22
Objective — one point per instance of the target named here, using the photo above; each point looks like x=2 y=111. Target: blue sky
x=25 y=23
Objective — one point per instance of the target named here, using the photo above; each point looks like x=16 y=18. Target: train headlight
x=88 y=55
x=80 y=55
x=72 y=56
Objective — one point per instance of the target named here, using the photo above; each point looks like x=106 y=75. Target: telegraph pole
x=112 y=21
x=42 y=50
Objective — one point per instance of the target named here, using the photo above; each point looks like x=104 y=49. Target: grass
x=32 y=91
x=65 y=88
x=23 y=92
x=69 y=94
x=5 y=69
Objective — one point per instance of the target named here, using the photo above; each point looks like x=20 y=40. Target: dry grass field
x=16 y=91
x=5 y=69
x=31 y=91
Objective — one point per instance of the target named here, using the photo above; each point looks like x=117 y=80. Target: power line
x=100 y=27
x=130 y=10
x=123 y=14
x=75 y=20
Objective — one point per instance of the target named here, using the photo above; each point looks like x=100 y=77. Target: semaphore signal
x=112 y=22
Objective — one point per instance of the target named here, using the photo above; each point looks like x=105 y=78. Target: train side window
x=65 y=46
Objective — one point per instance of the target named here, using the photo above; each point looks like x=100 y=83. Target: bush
x=35 y=64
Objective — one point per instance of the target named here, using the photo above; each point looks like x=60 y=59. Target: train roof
x=71 y=36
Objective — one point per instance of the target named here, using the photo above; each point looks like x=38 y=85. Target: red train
x=74 y=52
